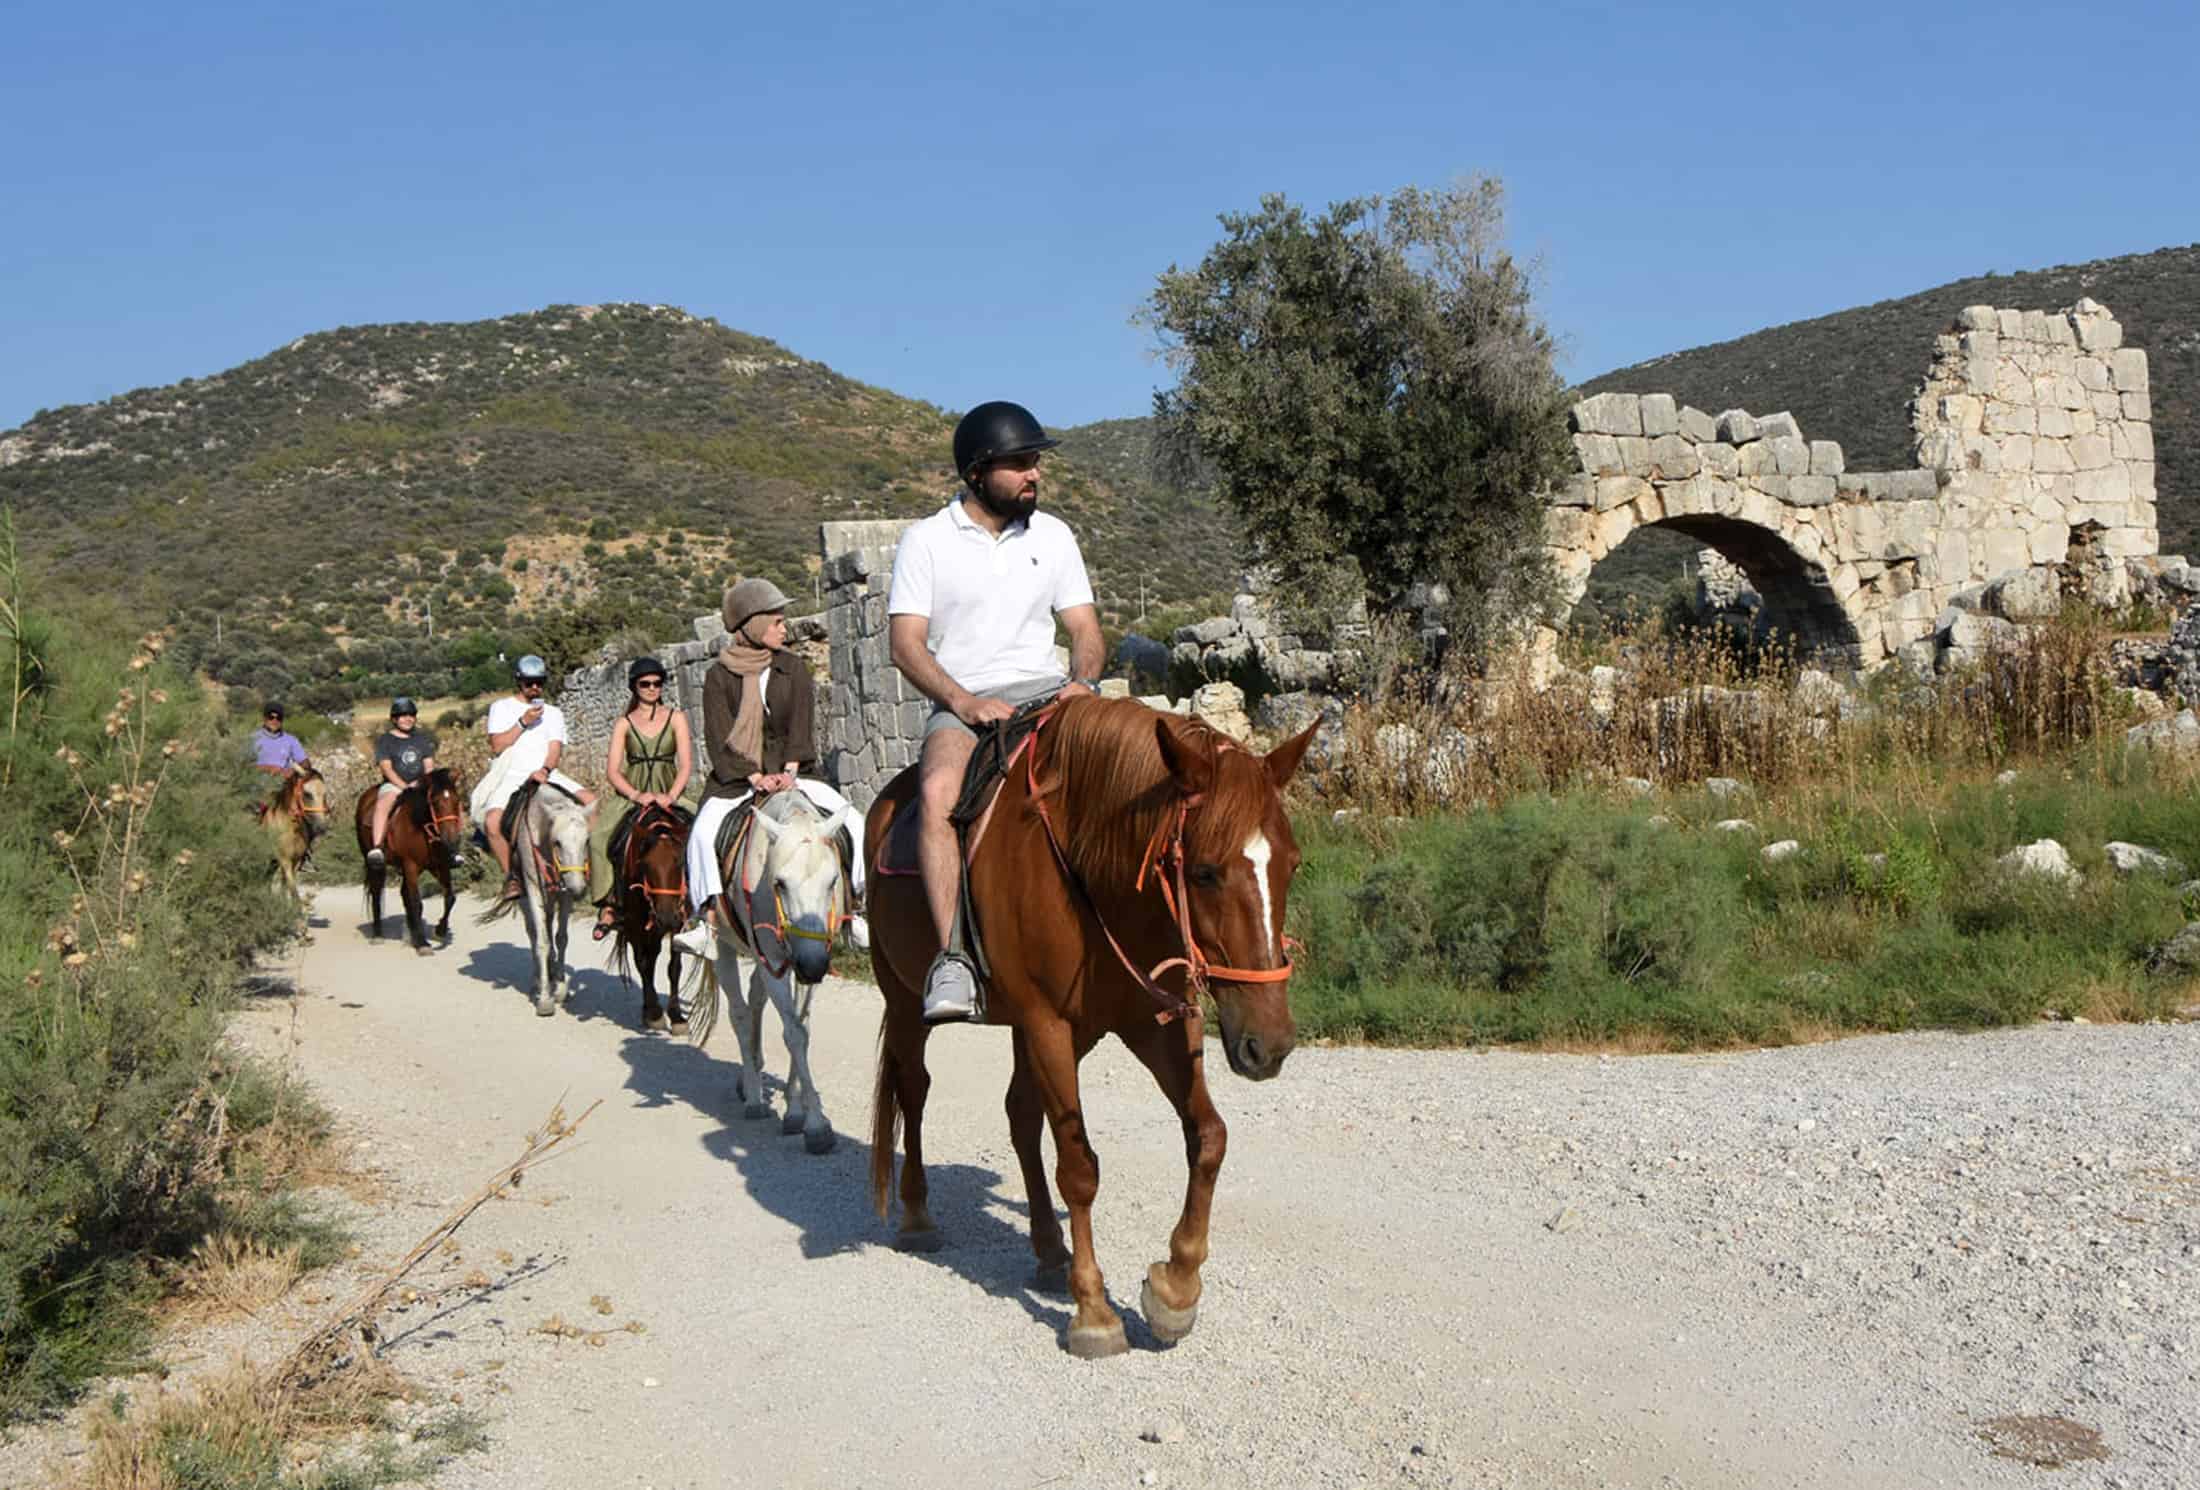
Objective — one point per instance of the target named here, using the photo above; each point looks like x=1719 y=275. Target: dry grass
x=228 y=1275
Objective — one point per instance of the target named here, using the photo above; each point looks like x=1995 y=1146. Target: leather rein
x=1164 y=858
x=653 y=825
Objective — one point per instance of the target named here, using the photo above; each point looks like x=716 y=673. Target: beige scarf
x=746 y=660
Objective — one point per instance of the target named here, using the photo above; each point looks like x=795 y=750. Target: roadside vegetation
x=1548 y=868
x=132 y=886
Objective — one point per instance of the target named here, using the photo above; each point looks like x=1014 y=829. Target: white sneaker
x=859 y=933
x=950 y=990
x=697 y=941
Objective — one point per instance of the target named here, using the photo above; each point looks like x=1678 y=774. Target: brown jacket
x=790 y=731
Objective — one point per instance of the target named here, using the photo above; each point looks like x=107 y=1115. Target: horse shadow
x=592 y=994
x=828 y=1197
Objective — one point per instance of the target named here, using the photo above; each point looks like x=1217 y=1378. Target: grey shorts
x=1013 y=694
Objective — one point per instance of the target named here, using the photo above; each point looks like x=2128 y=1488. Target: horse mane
x=1115 y=789
x=416 y=796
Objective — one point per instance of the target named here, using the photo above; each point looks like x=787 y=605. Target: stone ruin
x=2035 y=451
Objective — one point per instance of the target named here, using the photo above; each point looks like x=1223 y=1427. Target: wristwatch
x=1091 y=683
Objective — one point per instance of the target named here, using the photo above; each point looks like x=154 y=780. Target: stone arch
x=1799 y=595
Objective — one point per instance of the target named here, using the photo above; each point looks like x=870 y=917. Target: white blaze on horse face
x=1258 y=853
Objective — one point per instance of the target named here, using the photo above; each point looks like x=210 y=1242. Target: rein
x=652 y=826
x=1164 y=856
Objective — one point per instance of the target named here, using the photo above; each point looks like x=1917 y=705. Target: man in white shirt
x=529 y=738
x=977 y=589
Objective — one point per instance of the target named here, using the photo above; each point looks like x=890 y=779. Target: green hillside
x=1850 y=377
x=390 y=506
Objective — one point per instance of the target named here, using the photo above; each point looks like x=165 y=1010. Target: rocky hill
x=1850 y=377
x=390 y=506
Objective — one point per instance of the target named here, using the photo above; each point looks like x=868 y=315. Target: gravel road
x=1824 y=1266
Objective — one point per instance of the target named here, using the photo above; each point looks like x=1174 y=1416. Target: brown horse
x=649 y=894
x=295 y=817
x=425 y=830
x=1129 y=857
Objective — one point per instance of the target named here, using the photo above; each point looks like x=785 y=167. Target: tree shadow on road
x=828 y=1197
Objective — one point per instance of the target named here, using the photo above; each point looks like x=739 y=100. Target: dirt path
x=1429 y=1268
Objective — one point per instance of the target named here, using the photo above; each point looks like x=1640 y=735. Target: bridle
x=654 y=825
x=1164 y=858
x=779 y=925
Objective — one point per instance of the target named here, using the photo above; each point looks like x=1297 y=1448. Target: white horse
x=789 y=899
x=550 y=853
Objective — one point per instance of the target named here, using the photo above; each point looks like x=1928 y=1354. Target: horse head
x=801 y=872
x=307 y=800
x=660 y=857
x=566 y=844
x=442 y=810
x=1236 y=859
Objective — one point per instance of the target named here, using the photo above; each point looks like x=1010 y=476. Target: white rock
x=2046 y=858
x=2130 y=858
x=1786 y=848
x=1734 y=825
x=1723 y=786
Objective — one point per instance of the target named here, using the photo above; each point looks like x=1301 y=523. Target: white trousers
x=702 y=852
x=497 y=784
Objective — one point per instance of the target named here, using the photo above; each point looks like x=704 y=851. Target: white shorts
x=501 y=780
x=702 y=856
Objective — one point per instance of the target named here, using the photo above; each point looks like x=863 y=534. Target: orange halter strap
x=1164 y=856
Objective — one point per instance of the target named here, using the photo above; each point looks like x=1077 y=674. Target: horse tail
x=885 y=1122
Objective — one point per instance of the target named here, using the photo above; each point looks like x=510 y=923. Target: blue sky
x=961 y=203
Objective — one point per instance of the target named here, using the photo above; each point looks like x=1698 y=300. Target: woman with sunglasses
x=648 y=764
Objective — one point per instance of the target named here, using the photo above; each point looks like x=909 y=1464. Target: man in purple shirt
x=276 y=750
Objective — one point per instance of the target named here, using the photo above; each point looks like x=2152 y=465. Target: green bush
x=131 y=886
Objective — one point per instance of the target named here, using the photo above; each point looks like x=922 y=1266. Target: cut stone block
x=1659 y=416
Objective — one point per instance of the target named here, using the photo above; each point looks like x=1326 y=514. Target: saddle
x=1000 y=746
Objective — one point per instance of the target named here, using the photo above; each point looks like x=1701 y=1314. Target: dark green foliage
x=1371 y=385
x=1850 y=377
x=310 y=506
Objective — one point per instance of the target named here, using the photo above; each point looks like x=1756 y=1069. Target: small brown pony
x=425 y=831
x=1129 y=857
x=295 y=817
x=649 y=893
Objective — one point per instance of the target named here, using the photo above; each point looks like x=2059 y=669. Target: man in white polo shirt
x=977 y=589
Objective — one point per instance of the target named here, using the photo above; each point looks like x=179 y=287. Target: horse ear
x=766 y=826
x=838 y=821
x=1191 y=765
x=1283 y=761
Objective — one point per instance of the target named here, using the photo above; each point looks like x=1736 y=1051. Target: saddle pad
x=898 y=855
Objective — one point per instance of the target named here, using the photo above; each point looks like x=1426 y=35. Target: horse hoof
x=919 y=1241
x=792 y=1123
x=1092 y=1342
x=545 y=1008
x=820 y=1142
x=654 y=1022
x=422 y=949
x=1168 y=1325
x=757 y=1111
x=679 y=1026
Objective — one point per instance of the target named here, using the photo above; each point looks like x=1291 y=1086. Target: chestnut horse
x=425 y=830
x=649 y=895
x=295 y=818
x=1133 y=861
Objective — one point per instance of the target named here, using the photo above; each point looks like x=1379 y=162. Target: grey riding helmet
x=400 y=706
x=531 y=668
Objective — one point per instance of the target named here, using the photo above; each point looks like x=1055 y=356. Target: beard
x=1011 y=509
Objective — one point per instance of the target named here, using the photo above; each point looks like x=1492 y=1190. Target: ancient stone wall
x=873 y=722
x=2034 y=444
x=593 y=697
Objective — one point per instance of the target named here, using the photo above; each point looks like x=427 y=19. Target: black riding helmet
x=994 y=430
x=643 y=667
x=400 y=706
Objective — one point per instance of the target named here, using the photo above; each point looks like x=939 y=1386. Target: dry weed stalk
x=325 y=1350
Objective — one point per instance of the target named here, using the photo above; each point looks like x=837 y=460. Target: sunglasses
x=651 y=683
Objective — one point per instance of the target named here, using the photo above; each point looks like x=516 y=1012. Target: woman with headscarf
x=759 y=724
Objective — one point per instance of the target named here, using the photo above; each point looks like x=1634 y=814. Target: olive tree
x=1372 y=394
